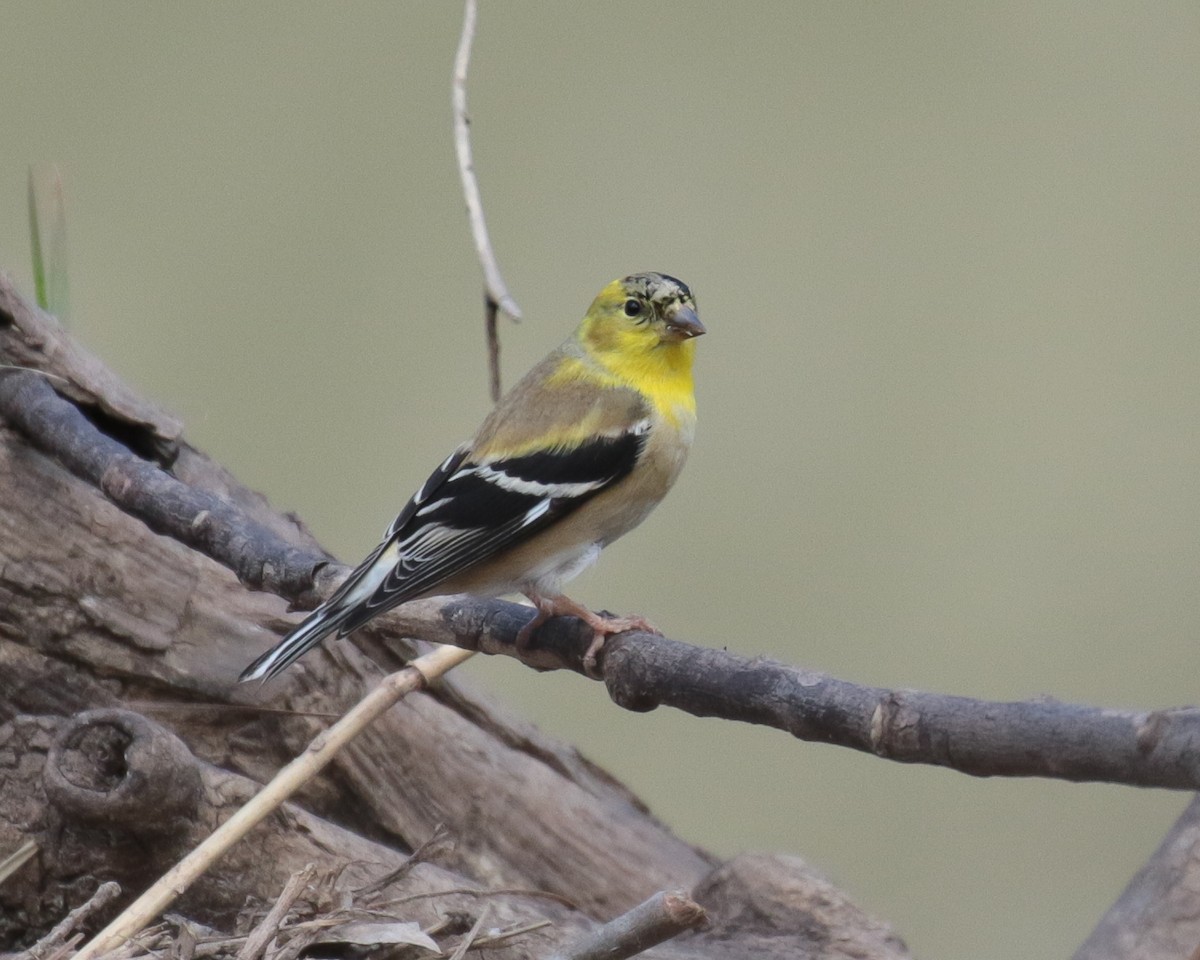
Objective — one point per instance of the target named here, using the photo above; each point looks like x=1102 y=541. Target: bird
x=575 y=455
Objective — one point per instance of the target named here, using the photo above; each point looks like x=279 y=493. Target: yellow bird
x=574 y=456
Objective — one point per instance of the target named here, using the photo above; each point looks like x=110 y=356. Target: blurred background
x=948 y=258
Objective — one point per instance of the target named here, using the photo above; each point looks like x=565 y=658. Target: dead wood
x=100 y=610
x=197 y=505
x=1155 y=918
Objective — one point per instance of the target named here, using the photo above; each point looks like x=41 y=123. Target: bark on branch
x=98 y=610
x=1031 y=738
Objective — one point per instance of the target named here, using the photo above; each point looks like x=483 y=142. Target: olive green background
x=948 y=258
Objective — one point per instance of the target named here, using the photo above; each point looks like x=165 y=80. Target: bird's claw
x=605 y=626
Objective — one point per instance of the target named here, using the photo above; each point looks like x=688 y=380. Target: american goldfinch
x=574 y=456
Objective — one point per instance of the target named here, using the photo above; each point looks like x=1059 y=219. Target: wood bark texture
x=99 y=612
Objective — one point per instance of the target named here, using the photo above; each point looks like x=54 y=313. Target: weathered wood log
x=1155 y=918
x=109 y=794
x=98 y=610
x=121 y=798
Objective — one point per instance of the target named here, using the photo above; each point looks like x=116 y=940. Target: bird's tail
x=316 y=627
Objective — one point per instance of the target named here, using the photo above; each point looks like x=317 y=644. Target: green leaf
x=35 y=243
x=50 y=280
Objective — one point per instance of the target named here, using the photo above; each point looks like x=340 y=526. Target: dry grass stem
x=323 y=749
x=474 y=892
x=17 y=859
x=497 y=290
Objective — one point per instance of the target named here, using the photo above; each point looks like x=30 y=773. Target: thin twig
x=663 y=916
x=43 y=373
x=322 y=749
x=508 y=933
x=60 y=935
x=496 y=288
x=465 y=944
x=438 y=842
x=472 y=892
x=64 y=949
x=492 y=331
x=222 y=711
x=269 y=926
x=496 y=295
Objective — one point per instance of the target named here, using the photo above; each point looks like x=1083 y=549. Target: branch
x=663 y=916
x=200 y=519
x=496 y=295
x=1043 y=738
x=105 y=894
x=641 y=671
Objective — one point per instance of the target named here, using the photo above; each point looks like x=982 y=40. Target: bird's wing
x=482 y=507
x=547 y=449
x=362 y=582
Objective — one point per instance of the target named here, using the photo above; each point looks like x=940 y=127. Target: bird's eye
x=633 y=308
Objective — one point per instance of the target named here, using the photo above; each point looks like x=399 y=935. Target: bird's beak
x=683 y=324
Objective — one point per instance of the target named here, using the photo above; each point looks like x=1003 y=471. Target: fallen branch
x=663 y=916
x=67 y=928
x=1031 y=738
x=268 y=927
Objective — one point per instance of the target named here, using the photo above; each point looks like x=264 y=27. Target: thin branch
x=324 y=748
x=496 y=295
x=474 y=892
x=202 y=520
x=641 y=671
x=438 y=843
x=268 y=927
x=508 y=933
x=492 y=331
x=497 y=290
x=12 y=366
x=67 y=928
x=663 y=916
x=1035 y=738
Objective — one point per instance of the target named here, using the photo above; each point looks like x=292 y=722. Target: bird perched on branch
x=574 y=456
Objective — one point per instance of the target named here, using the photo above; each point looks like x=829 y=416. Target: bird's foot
x=603 y=625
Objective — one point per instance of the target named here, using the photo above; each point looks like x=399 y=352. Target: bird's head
x=647 y=313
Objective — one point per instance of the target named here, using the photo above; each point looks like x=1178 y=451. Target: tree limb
x=641 y=671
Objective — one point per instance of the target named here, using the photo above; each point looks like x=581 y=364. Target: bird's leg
x=545 y=610
x=558 y=605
